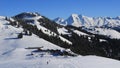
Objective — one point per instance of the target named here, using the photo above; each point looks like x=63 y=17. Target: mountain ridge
x=81 y=20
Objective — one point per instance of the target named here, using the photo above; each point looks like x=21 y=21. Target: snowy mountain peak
x=74 y=15
x=73 y=20
x=60 y=21
x=27 y=15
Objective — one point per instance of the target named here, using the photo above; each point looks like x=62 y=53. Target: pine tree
x=30 y=33
x=20 y=35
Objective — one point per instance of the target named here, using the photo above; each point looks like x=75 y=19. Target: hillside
x=80 y=40
x=30 y=40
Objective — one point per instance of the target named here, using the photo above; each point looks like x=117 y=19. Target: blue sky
x=61 y=8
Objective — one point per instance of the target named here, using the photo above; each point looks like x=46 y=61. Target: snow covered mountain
x=60 y=21
x=14 y=55
x=81 y=20
x=67 y=36
x=30 y=40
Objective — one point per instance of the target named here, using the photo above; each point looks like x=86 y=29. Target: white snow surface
x=102 y=40
x=63 y=31
x=107 y=32
x=14 y=55
x=61 y=62
x=79 y=32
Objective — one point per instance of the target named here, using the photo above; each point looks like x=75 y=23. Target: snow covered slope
x=9 y=34
x=14 y=55
x=111 y=33
x=63 y=31
x=79 y=32
x=60 y=62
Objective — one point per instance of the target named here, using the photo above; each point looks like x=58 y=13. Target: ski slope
x=61 y=62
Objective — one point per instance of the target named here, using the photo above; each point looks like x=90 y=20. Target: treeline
x=51 y=25
x=86 y=45
x=55 y=39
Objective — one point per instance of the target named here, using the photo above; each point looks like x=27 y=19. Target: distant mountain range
x=81 y=20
